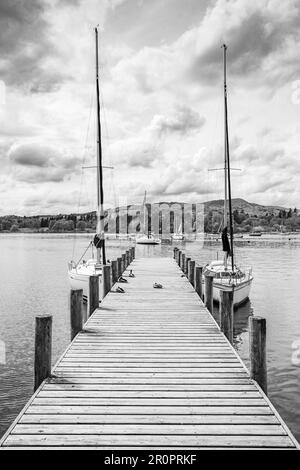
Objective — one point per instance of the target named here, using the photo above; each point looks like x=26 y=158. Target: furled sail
x=225 y=241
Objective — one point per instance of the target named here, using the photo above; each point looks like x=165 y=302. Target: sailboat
x=177 y=235
x=80 y=272
x=147 y=238
x=227 y=274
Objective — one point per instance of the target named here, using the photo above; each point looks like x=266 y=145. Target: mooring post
x=133 y=252
x=198 y=281
x=106 y=280
x=114 y=272
x=123 y=263
x=119 y=265
x=93 y=298
x=186 y=267
x=226 y=313
x=208 y=292
x=179 y=258
x=43 y=347
x=76 y=317
x=127 y=258
x=175 y=252
x=130 y=255
x=191 y=271
x=182 y=265
x=257 y=346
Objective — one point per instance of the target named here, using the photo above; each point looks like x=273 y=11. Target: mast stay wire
x=84 y=156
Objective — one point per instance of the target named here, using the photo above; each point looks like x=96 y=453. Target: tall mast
x=225 y=151
x=100 y=198
x=227 y=160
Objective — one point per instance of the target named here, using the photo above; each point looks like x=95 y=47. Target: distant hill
x=209 y=215
x=241 y=205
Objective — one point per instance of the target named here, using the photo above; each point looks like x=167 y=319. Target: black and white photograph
x=149 y=228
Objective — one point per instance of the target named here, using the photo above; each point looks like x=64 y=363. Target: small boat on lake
x=228 y=276
x=255 y=234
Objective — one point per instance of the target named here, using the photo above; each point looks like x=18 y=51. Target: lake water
x=33 y=276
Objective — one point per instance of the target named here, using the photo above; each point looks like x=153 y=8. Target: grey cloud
x=34 y=163
x=182 y=121
x=24 y=45
x=251 y=41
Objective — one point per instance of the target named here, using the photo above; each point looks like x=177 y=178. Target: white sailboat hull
x=148 y=241
x=79 y=278
x=178 y=237
x=240 y=294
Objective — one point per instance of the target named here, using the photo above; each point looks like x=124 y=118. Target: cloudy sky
x=161 y=96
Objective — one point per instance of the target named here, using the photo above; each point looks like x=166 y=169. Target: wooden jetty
x=151 y=369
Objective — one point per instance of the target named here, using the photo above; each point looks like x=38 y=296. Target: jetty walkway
x=150 y=370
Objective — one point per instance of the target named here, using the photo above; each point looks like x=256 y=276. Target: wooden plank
x=147 y=419
x=160 y=394
x=149 y=441
x=108 y=401
x=151 y=429
x=150 y=410
x=162 y=387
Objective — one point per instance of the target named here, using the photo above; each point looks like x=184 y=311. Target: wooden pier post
x=187 y=260
x=226 y=314
x=257 y=346
x=179 y=258
x=208 y=292
x=106 y=280
x=191 y=272
x=198 y=281
x=43 y=349
x=133 y=253
x=114 y=272
x=130 y=255
x=123 y=263
x=175 y=250
x=119 y=265
x=182 y=265
x=93 y=299
x=76 y=317
x=127 y=258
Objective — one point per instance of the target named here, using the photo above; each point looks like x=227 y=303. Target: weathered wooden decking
x=150 y=370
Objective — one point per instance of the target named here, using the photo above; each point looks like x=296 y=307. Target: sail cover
x=98 y=241
x=225 y=241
